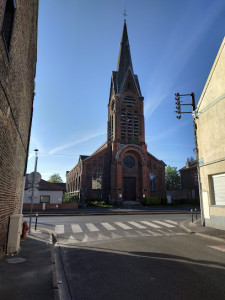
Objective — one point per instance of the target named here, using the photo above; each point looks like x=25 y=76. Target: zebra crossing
x=90 y=232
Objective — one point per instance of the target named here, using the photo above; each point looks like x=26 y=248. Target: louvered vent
x=129 y=101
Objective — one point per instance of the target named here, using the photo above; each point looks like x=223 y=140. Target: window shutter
x=219 y=189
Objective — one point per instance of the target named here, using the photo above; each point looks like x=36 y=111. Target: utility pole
x=179 y=112
x=33 y=183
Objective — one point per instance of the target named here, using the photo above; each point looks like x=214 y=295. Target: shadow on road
x=104 y=274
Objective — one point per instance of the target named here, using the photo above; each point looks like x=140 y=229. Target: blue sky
x=173 y=46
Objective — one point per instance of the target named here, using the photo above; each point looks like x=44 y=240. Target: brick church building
x=121 y=169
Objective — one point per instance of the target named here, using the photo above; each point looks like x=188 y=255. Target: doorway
x=129 y=187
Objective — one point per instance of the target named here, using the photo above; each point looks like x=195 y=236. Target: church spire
x=124 y=60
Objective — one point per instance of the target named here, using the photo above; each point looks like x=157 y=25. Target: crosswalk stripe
x=91 y=227
x=150 y=224
x=122 y=225
x=59 y=229
x=102 y=237
x=76 y=228
x=154 y=233
x=137 y=225
x=164 y=224
x=172 y=222
x=108 y=226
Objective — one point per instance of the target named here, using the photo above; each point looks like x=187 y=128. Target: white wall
x=54 y=196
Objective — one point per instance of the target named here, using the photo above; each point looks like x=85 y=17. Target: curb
x=51 y=241
x=113 y=213
x=54 y=272
x=182 y=226
x=206 y=236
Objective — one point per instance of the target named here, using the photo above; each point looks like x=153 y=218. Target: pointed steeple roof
x=124 y=60
x=124 y=65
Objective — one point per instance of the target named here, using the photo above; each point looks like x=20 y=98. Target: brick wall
x=49 y=206
x=17 y=72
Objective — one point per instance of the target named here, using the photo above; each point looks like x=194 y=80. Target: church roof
x=83 y=157
x=124 y=64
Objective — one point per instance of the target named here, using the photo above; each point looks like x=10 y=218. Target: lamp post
x=33 y=182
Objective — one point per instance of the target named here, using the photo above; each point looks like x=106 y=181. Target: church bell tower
x=125 y=108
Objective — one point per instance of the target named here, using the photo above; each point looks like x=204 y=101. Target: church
x=121 y=169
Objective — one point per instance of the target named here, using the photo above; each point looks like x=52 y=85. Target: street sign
x=30 y=190
x=35 y=185
x=34 y=177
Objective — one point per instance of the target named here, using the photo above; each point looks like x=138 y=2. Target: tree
x=55 y=178
x=172 y=178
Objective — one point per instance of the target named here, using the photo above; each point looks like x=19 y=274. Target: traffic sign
x=34 y=177
x=30 y=191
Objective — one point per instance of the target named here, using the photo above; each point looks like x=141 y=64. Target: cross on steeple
x=125 y=14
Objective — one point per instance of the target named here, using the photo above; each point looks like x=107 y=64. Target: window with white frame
x=44 y=199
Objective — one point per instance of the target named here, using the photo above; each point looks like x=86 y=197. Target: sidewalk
x=29 y=273
x=114 y=211
x=202 y=231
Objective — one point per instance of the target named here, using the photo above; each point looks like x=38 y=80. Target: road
x=135 y=257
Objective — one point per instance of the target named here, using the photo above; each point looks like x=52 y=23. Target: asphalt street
x=135 y=257
x=165 y=267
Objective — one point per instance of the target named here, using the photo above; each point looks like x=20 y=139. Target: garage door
x=219 y=189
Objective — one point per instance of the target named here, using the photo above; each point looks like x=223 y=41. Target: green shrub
x=92 y=201
x=70 y=198
x=150 y=201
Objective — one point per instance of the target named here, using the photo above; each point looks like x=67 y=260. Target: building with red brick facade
x=121 y=169
x=18 y=55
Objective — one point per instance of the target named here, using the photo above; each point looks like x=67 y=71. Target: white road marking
x=164 y=233
x=164 y=224
x=170 y=221
x=122 y=225
x=59 y=229
x=108 y=226
x=76 y=228
x=137 y=225
x=142 y=233
x=154 y=233
x=219 y=247
x=86 y=239
x=150 y=224
x=102 y=237
x=91 y=227
x=129 y=234
x=115 y=236
x=72 y=240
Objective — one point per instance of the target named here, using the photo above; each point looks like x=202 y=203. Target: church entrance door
x=129 y=187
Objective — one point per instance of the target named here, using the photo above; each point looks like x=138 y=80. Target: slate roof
x=47 y=186
x=124 y=64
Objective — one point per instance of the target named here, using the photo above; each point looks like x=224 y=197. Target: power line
x=58 y=154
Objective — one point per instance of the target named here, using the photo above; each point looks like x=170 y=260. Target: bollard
x=36 y=222
x=196 y=215
x=192 y=215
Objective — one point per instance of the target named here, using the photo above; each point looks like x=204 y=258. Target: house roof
x=45 y=185
x=83 y=157
x=192 y=165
